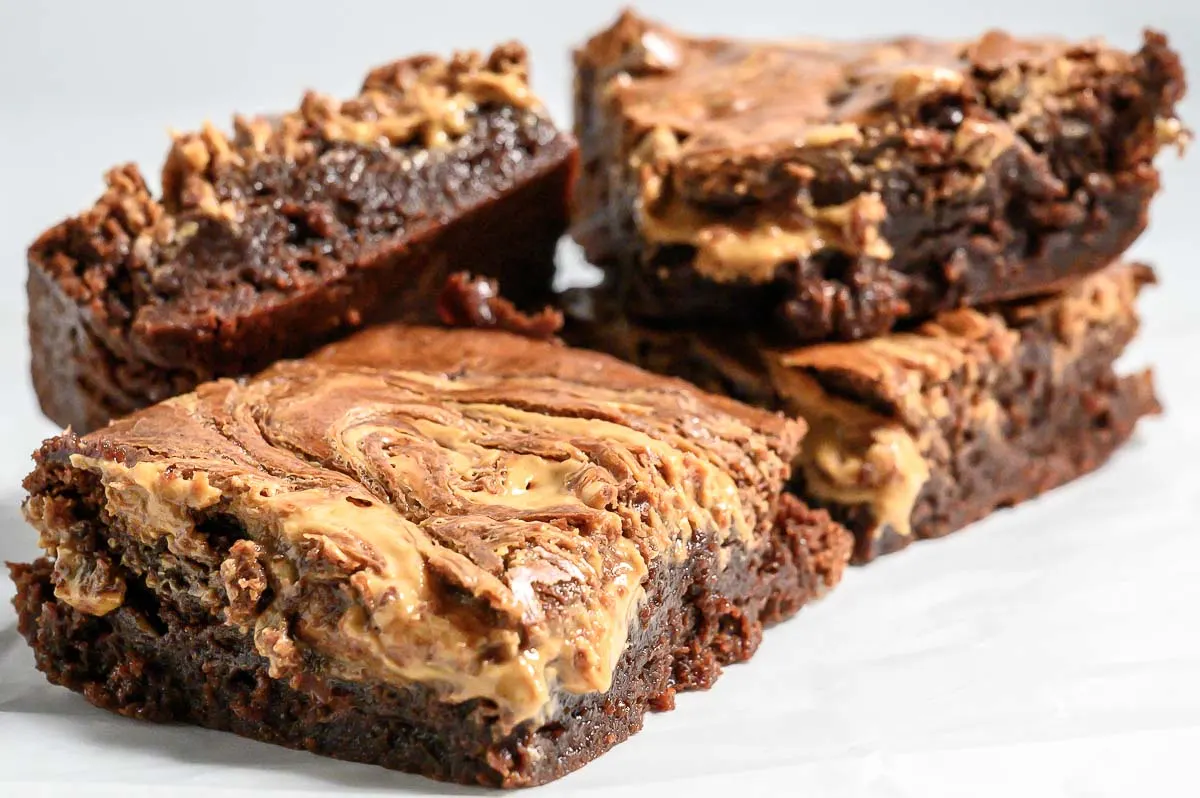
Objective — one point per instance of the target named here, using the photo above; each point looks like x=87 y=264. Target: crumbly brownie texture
x=917 y=434
x=830 y=190
x=475 y=303
x=296 y=230
x=477 y=576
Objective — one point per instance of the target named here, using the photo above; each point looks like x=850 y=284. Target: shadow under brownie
x=295 y=231
x=481 y=558
x=825 y=190
x=917 y=434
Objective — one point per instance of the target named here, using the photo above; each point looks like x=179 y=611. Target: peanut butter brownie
x=296 y=230
x=482 y=558
x=831 y=190
x=919 y=433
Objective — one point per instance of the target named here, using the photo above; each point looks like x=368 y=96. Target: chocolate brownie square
x=919 y=433
x=459 y=553
x=833 y=190
x=297 y=230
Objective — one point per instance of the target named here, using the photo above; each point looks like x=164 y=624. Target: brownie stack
x=888 y=273
x=914 y=245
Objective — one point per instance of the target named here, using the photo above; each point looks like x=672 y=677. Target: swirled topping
x=870 y=445
x=480 y=531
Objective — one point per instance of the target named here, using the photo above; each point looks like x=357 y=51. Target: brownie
x=919 y=433
x=296 y=230
x=481 y=558
x=819 y=190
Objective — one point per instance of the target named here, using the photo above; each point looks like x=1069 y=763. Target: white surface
x=1051 y=650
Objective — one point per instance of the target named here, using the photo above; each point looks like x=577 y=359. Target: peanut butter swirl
x=727 y=142
x=463 y=526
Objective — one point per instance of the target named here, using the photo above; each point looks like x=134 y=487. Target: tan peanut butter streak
x=881 y=411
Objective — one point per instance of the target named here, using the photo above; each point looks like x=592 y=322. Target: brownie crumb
x=468 y=301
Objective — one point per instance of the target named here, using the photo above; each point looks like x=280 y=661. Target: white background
x=1051 y=650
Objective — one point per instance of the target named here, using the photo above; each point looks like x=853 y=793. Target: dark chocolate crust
x=927 y=175
x=295 y=232
x=999 y=405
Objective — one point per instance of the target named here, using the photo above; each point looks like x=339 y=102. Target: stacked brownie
x=912 y=244
x=888 y=273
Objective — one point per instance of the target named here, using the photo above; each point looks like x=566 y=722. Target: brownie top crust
x=738 y=148
x=477 y=524
x=424 y=101
x=899 y=371
x=291 y=203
